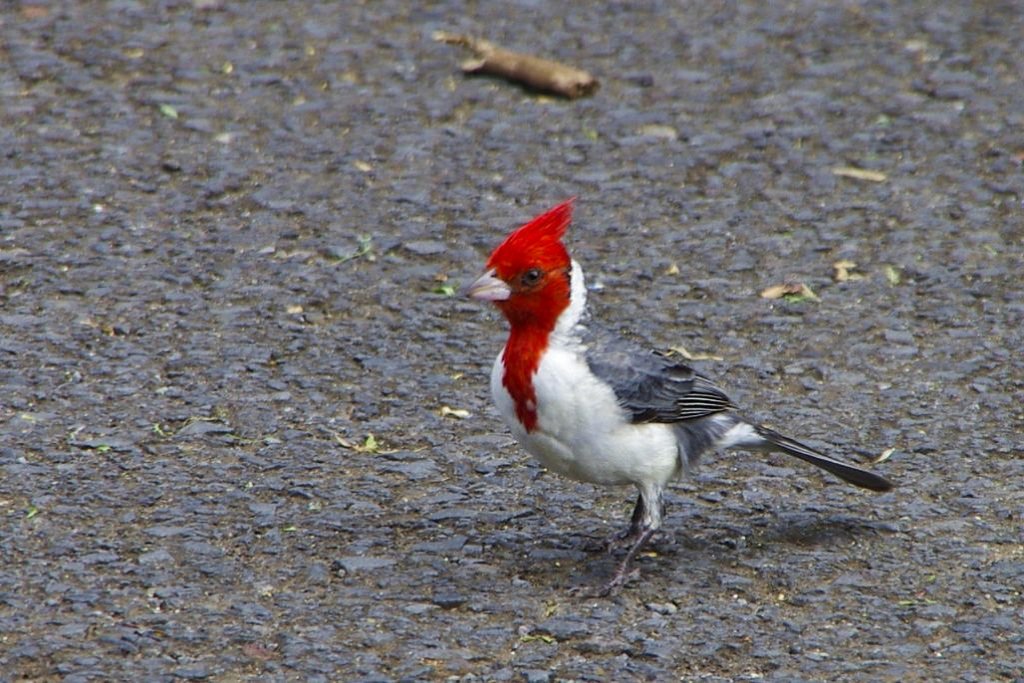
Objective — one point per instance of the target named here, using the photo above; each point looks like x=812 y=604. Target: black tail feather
x=850 y=473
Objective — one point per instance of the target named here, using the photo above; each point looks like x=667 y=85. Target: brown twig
x=536 y=73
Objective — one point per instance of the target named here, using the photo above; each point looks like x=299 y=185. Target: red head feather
x=538 y=244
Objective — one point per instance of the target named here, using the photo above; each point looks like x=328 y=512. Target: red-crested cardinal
x=601 y=409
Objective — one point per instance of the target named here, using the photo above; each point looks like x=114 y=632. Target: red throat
x=521 y=359
x=531 y=324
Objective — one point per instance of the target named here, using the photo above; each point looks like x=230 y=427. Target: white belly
x=582 y=432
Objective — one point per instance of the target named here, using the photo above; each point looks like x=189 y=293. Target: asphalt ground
x=245 y=430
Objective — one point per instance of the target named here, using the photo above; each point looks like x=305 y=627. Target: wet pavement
x=245 y=430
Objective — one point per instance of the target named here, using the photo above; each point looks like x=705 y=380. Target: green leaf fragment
x=444 y=290
x=365 y=248
x=892 y=274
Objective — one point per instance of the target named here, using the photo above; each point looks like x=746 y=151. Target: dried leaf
x=884 y=456
x=843 y=273
x=459 y=413
x=860 y=174
x=792 y=291
x=805 y=294
x=654 y=130
x=681 y=350
x=779 y=291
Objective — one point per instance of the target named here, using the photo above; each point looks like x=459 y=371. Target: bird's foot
x=625 y=573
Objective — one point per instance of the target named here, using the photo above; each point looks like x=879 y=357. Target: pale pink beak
x=487 y=287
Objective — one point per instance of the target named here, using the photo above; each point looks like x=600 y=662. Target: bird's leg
x=646 y=520
x=625 y=573
x=630 y=535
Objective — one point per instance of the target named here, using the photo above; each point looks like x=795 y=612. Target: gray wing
x=652 y=386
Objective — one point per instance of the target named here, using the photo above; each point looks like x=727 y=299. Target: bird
x=599 y=406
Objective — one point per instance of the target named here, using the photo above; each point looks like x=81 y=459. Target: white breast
x=581 y=431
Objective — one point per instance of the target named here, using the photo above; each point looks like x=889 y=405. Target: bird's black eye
x=531 y=277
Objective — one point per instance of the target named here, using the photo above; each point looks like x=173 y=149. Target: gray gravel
x=227 y=233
